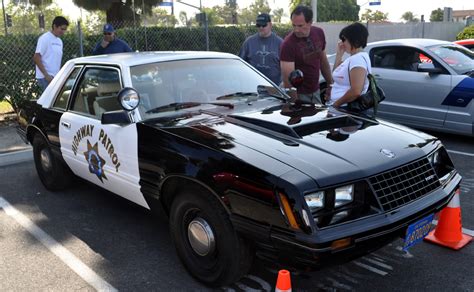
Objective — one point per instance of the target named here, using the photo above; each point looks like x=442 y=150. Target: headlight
x=441 y=164
x=344 y=195
x=315 y=201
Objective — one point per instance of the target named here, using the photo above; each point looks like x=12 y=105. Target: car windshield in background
x=195 y=81
x=458 y=58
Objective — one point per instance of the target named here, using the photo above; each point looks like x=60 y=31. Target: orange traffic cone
x=449 y=230
x=283 y=281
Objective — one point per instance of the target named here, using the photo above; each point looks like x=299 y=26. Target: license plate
x=417 y=231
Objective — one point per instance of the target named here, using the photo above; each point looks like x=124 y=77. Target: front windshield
x=194 y=81
x=458 y=58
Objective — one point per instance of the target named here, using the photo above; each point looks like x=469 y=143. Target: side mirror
x=116 y=117
x=296 y=78
x=128 y=98
x=429 y=68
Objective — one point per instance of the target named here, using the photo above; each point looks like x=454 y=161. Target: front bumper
x=365 y=235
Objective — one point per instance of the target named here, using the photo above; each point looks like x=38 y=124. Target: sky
x=394 y=8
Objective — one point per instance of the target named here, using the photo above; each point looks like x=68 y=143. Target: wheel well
x=31 y=131
x=172 y=186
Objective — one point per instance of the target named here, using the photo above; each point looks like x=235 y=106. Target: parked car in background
x=428 y=83
x=238 y=168
x=469 y=43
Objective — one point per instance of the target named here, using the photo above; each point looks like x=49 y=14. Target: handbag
x=370 y=99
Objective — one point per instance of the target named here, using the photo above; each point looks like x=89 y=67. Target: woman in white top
x=350 y=75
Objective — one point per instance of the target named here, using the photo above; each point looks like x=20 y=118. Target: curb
x=16 y=157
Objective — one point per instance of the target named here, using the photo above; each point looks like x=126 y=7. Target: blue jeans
x=43 y=83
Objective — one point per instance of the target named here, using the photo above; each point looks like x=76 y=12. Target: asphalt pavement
x=12 y=148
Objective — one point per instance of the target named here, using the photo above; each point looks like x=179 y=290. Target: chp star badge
x=96 y=163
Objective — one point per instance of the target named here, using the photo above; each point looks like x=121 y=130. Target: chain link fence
x=17 y=70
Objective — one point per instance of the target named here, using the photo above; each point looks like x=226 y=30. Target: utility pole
x=4 y=18
x=314 y=4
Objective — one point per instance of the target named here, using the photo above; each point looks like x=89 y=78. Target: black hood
x=312 y=140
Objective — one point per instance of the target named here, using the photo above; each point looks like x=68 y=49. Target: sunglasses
x=262 y=25
x=343 y=39
x=108 y=33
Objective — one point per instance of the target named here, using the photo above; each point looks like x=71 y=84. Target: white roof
x=416 y=42
x=138 y=58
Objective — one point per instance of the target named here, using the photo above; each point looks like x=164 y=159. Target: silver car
x=429 y=84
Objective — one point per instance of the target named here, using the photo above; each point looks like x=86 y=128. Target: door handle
x=66 y=125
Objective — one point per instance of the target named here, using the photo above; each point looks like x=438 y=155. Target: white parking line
x=461 y=153
x=56 y=248
x=370 y=268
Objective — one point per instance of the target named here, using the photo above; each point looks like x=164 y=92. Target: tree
x=332 y=10
x=183 y=18
x=409 y=17
x=25 y=17
x=213 y=16
x=436 y=15
x=278 y=14
x=375 y=16
x=118 y=11
x=160 y=17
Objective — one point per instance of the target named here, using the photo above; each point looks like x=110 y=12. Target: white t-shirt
x=341 y=75
x=50 y=47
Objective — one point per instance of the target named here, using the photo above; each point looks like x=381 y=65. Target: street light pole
x=206 y=26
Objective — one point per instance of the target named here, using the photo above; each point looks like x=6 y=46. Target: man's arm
x=326 y=68
x=38 y=61
x=286 y=69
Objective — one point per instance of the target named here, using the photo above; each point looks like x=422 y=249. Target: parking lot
x=86 y=239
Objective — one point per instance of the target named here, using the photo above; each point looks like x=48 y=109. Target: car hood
x=330 y=147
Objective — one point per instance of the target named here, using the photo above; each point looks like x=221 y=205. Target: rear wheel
x=205 y=240
x=53 y=173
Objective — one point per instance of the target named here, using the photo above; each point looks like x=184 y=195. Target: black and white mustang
x=237 y=166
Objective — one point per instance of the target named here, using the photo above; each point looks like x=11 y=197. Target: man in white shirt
x=49 y=52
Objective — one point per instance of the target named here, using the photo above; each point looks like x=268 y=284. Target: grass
x=5 y=107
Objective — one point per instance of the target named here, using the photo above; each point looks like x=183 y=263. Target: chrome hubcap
x=201 y=237
x=45 y=160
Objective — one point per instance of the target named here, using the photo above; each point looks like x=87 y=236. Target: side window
x=399 y=58
x=97 y=92
x=63 y=97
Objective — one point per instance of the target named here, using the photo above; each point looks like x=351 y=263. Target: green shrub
x=467 y=33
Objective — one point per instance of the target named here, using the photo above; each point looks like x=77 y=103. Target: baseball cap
x=108 y=28
x=263 y=19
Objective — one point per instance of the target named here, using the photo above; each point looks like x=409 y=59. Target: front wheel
x=53 y=173
x=205 y=240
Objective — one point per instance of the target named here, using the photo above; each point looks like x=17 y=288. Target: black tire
x=231 y=256
x=52 y=172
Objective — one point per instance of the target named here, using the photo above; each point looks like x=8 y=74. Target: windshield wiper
x=183 y=105
x=236 y=94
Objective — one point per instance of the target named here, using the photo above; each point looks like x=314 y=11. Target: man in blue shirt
x=262 y=50
x=110 y=44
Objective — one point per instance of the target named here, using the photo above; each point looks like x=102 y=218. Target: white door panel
x=106 y=155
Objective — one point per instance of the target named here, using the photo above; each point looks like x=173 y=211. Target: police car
x=429 y=84
x=238 y=168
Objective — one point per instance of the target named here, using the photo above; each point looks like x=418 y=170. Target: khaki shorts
x=310 y=97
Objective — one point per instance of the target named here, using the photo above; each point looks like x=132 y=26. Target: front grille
x=402 y=185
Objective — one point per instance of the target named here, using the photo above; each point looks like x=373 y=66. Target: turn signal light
x=341 y=243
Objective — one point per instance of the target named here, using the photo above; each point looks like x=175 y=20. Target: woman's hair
x=356 y=34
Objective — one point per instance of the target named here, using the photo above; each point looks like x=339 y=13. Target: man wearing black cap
x=262 y=50
x=110 y=44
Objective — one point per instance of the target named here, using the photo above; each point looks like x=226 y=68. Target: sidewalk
x=12 y=148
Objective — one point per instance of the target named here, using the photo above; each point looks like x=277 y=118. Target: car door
x=412 y=97
x=105 y=155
